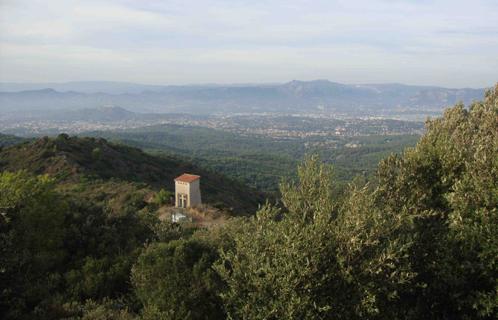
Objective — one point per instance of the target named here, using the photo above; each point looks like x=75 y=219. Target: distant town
x=277 y=126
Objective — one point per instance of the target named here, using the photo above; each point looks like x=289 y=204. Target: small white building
x=177 y=217
x=187 y=191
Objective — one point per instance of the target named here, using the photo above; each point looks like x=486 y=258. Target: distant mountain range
x=295 y=96
x=82 y=87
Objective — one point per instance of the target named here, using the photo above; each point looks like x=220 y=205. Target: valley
x=258 y=150
x=255 y=134
x=273 y=125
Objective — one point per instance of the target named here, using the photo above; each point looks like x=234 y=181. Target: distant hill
x=294 y=96
x=10 y=140
x=72 y=160
x=81 y=86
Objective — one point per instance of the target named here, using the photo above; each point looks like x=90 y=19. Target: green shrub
x=163 y=197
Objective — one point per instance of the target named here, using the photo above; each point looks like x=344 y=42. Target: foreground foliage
x=421 y=243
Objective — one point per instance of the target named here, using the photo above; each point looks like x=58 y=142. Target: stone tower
x=187 y=191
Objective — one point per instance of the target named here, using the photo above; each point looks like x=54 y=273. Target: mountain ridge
x=132 y=87
x=294 y=96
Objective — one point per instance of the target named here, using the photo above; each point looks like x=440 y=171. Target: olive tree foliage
x=309 y=199
x=31 y=239
x=106 y=309
x=372 y=247
x=448 y=184
x=174 y=280
x=422 y=242
x=307 y=261
x=278 y=264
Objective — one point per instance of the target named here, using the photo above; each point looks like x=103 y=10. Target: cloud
x=250 y=41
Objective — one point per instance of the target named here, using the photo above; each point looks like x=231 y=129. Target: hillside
x=9 y=140
x=76 y=161
x=259 y=161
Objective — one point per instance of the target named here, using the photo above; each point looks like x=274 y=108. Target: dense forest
x=258 y=161
x=9 y=140
x=419 y=241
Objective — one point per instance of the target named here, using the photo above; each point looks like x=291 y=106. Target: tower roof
x=187 y=177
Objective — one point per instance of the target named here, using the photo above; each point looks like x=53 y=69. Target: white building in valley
x=187 y=191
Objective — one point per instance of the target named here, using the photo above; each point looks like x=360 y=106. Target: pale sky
x=450 y=43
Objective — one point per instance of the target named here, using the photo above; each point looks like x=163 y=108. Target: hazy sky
x=448 y=42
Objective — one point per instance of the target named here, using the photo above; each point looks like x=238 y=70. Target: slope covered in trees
x=83 y=163
x=419 y=242
x=9 y=140
x=258 y=161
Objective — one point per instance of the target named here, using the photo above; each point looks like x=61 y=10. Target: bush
x=163 y=197
x=176 y=278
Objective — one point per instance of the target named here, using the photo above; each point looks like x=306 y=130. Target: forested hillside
x=420 y=241
x=9 y=140
x=85 y=163
x=259 y=161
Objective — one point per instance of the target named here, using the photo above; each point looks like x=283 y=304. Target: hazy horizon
x=452 y=44
x=235 y=84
